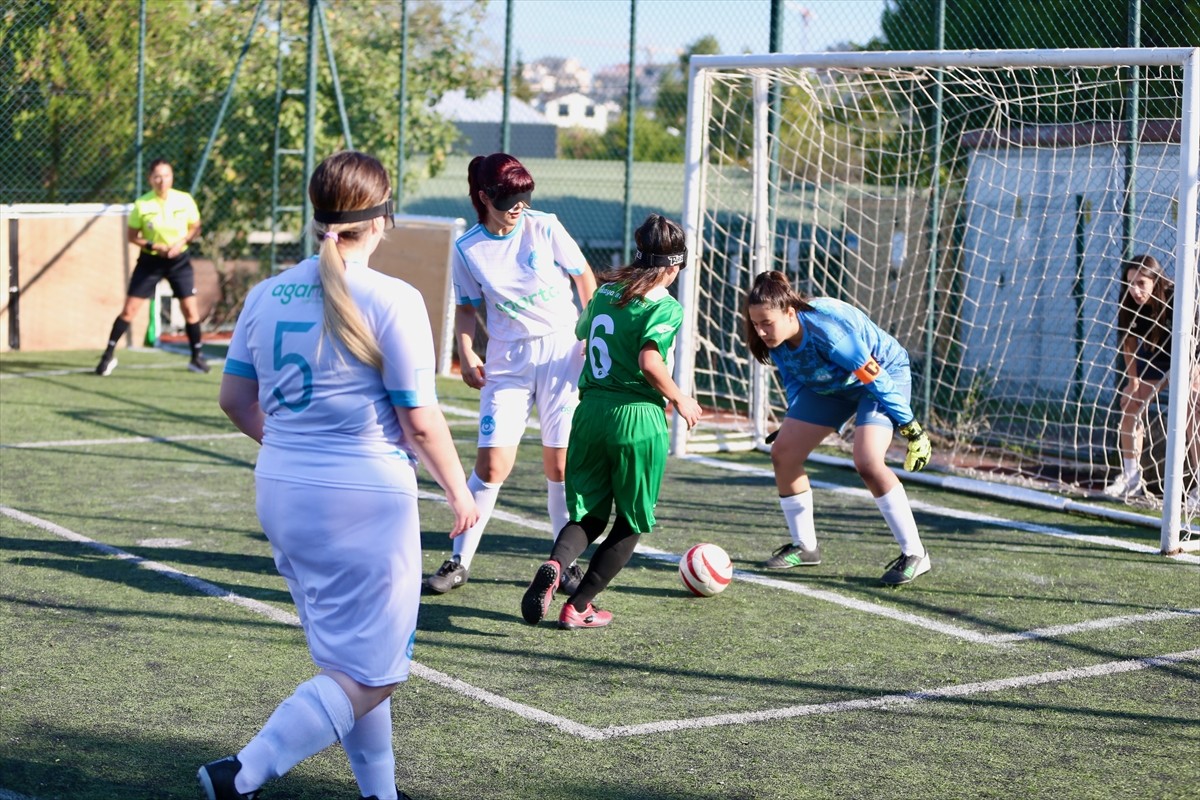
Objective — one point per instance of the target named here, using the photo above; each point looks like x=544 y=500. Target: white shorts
x=352 y=561
x=519 y=374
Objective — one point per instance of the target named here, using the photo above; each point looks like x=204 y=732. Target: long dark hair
x=657 y=236
x=496 y=175
x=1150 y=321
x=772 y=291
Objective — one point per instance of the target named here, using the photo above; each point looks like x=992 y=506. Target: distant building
x=555 y=76
x=478 y=121
x=611 y=84
x=577 y=110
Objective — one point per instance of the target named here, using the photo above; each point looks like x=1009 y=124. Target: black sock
x=611 y=557
x=193 y=334
x=119 y=329
x=574 y=538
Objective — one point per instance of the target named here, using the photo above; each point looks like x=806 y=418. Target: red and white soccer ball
x=705 y=570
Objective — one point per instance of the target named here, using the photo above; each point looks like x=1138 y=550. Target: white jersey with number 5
x=521 y=277
x=330 y=419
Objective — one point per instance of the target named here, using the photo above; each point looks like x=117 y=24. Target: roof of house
x=457 y=107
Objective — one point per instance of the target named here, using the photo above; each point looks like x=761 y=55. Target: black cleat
x=216 y=779
x=572 y=576
x=450 y=575
x=106 y=366
x=536 y=602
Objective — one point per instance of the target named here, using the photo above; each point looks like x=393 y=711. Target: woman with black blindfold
x=517 y=265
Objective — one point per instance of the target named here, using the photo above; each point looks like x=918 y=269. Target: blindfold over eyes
x=384 y=209
x=656 y=260
x=504 y=202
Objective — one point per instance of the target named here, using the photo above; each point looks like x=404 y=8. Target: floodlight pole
x=140 y=135
x=337 y=83
x=776 y=109
x=403 y=114
x=631 y=90
x=505 y=127
x=310 y=119
x=237 y=67
x=139 y=145
x=1133 y=34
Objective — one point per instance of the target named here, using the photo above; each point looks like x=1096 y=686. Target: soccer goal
x=978 y=205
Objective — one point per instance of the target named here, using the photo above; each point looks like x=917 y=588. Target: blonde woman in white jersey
x=331 y=369
x=517 y=265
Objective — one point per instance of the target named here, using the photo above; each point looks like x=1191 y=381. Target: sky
x=596 y=31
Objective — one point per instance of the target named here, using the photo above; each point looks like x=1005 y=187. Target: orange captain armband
x=869 y=371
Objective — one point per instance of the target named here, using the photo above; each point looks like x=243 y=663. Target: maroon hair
x=496 y=175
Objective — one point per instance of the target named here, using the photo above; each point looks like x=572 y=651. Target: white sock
x=368 y=745
x=316 y=715
x=1131 y=467
x=485 y=500
x=556 y=506
x=897 y=513
x=798 y=511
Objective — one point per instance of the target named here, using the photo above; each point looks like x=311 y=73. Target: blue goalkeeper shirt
x=844 y=354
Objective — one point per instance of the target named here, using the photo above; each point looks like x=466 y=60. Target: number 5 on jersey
x=282 y=359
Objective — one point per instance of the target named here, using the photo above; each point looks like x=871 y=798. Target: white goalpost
x=978 y=205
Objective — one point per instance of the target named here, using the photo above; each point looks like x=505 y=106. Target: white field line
x=191 y=581
x=187 y=437
x=1095 y=625
x=183 y=437
x=749 y=577
x=841 y=600
x=54 y=373
x=289 y=618
x=888 y=702
x=969 y=516
x=590 y=733
x=998 y=640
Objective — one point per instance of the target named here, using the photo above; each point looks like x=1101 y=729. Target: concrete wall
x=72 y=268
x=418 y=251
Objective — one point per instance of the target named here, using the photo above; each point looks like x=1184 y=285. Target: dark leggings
x=609 y=559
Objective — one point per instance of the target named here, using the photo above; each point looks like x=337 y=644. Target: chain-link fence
x=92 y=90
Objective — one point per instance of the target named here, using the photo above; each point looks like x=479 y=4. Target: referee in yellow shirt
x=162 y=223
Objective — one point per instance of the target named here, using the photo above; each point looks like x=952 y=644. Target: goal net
x=979 y=207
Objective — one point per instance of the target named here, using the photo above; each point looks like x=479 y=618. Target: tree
x=520 y=89
x=67 y=121
x=61 y=69
x=671 y=106
x=1021 y=24
x=651 y=141
x=1027 y=24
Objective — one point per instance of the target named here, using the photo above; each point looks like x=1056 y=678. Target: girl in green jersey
x=618 y=445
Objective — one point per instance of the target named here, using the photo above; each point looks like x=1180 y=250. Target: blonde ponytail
x=342 y=317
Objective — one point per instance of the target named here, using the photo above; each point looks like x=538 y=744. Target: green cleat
x=793 y=555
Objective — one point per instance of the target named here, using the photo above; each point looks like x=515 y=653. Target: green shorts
x=617 y=453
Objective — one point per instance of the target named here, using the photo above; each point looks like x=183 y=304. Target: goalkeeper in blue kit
x=618 y=446
x=835 y=363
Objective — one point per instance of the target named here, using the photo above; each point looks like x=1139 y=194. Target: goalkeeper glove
x=919 y=448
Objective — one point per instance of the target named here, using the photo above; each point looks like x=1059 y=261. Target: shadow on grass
x=80 y=559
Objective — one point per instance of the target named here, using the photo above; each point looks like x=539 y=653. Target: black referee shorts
x=151 y=269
